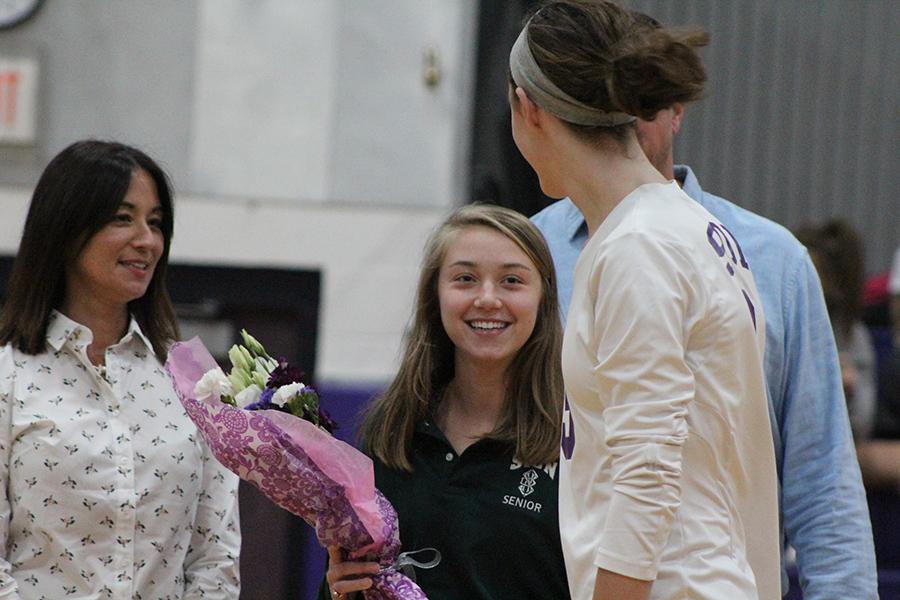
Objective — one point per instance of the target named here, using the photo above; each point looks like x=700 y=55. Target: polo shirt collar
x=689 y=182
x=574 y=225
x=426 y=427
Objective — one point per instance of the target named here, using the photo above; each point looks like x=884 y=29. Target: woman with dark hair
x=465 y=440
x=109 y=491
x=837 y=253
x=668 y=482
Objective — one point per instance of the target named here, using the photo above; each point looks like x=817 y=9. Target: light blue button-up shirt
x=824 y=514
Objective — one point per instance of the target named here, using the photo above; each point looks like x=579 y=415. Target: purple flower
x=284 y=374
x=266 y=396
x=264 y=402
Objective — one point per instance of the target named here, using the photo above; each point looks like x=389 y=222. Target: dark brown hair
x=78 y=193
x=614 y=59
x=532 y=412
x=837 y=252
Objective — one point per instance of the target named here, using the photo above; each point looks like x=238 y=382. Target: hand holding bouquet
x=264 y=424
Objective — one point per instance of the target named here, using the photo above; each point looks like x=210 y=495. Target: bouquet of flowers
x=264 y=424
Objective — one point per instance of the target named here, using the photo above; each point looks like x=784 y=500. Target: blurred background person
x=836 y=250
x=894 y=290
x=837 y=254
x=889 y=372
x=109 y=491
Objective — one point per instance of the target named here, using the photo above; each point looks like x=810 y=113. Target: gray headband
x=543 y=92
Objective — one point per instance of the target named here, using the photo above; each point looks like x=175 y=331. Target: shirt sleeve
x=640 y=360
x=9 y=589
x=826 y=518
x=211 y=565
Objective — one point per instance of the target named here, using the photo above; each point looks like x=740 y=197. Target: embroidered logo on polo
x=526 y=484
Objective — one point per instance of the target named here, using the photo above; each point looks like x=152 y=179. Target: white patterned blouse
x=109 y=490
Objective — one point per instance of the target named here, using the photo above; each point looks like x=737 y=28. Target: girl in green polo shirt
x=465 y=440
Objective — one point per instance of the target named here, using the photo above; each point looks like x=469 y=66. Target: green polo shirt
x=494 y=521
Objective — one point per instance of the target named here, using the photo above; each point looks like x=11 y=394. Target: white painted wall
x=264 y=102
x=396 y=140
x=325 y=100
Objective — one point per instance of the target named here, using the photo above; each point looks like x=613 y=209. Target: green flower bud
x=237 y=358
x=259 y=378
x=249 y=361
x=254 y=346
x=262 y=365
x=245 y=377
x=237 y=381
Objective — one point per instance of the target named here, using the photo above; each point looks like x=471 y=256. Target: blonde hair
x=532 y=412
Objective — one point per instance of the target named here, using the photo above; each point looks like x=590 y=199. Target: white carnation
x=286 y=392
x=213 y=383
x=248 y=395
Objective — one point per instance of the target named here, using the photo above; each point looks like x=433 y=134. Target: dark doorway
x=280 y=308
x=499 y=173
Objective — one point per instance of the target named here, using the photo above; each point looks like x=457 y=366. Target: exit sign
x=18 y=100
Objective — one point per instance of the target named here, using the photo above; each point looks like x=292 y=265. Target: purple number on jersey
x=721 y=239
x=568 y=431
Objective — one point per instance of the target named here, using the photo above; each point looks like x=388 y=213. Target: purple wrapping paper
x=301 y=468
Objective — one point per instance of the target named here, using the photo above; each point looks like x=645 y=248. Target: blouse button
x=449 y=456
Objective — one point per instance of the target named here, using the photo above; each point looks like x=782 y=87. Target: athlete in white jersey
x=667 y=457
x=668 y=481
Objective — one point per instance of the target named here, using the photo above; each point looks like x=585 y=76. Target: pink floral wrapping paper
x=301 y=468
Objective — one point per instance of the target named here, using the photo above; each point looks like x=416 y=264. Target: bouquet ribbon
x=405 y=562
x=303 y=469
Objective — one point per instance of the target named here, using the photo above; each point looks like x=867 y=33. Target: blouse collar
x=62 y=329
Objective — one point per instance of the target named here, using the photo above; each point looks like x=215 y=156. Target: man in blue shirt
x=824 y=514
